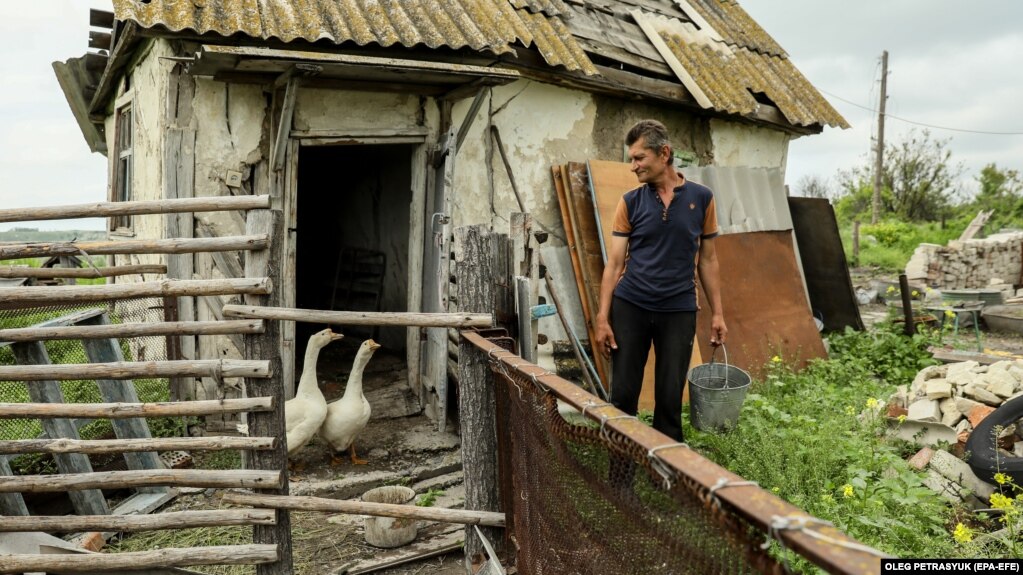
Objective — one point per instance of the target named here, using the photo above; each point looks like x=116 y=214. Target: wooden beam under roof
x=101 y=18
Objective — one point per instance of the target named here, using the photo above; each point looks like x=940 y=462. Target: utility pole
x=879 y=160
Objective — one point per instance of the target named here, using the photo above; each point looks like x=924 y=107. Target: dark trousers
x=672 y=337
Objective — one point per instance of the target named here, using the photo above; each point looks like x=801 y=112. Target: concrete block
x=964 y=426
x=922 y=433
x=961 y=373
x=951 y=417
x=1001 y=383
x=964 y=405
x=982 y=395
x=951 y=467
x=926 y=410
x=938 y=389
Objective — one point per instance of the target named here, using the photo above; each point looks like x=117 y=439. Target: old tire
x=981 y=452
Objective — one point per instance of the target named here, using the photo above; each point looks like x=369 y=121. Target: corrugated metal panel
x=735 y=26
x=549 y=7
x=748 y=199
x=492 y=25
x=728 y=76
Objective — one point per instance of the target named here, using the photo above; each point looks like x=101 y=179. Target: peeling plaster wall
x=738 y=144
x=323 y=109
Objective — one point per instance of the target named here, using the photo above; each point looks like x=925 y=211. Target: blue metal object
x=543 y=310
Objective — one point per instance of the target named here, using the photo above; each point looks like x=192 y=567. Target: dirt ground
x=404 y=448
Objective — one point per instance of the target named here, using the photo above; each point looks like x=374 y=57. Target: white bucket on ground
x=390 y=532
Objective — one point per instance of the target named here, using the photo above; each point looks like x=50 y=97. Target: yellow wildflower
x=949 y=313
x=849 y=410
x=916 y=293
x=902 y=418
x=776 y=359
x=890 y=290
x=1001 y=478
x=962 y=534
x=775 y=489
x=999 y=501
x=872 y=403
x=847 y=490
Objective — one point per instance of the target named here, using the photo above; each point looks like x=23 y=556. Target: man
x=664 y=230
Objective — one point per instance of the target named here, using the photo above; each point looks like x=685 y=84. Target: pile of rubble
x=959 y=395
x=944 y=404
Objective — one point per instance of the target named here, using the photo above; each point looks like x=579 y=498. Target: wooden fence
x=253 y=327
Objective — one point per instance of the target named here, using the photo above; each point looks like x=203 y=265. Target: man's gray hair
x=654 y=134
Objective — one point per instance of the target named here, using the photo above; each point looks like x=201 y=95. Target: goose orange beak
x=334 y=336
x=373 y=345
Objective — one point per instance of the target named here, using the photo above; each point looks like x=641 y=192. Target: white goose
x=348 y=416
x=304 y=413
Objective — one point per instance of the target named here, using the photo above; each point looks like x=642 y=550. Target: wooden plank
x=476 y=395
x=417 y=239
x=88 y=272
x=457 y=320
x=99 y=40
x=11 y=504
x=179 y=182
x=128 y=330
x=269 y=424
x=283 y=131
x=304 y=503
x=76 y=482
x=101 y=18
x=85 y=502
x=135 y=208
x=166 y=246
x=206 y=443
x=73 y=81
x=133 y=369
x=120 y=391
x=118 y=410
x=976 y=224
x=32 y=296
x=130 y=523
x=141 y=560
x=216 y=307
x=229 y=263
x=591 y=257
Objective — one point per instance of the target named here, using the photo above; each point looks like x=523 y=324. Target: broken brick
x=978 y=413
x=921 y=459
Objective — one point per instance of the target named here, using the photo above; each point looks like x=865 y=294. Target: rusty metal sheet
x=824 y=265
x=482 y=25
x=764 y=303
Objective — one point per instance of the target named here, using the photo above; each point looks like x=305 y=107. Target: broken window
x=122 y=176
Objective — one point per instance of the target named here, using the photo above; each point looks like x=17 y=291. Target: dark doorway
x=353 y=236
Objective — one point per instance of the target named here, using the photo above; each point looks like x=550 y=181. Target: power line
x=887 y=115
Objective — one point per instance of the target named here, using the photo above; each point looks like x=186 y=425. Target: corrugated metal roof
x=725 y=78
x=748 y=199
x=492 y=25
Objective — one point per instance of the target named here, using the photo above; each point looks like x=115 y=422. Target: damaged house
x=377 y=127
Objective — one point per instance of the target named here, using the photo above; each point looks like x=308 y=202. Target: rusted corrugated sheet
x=748 y=199
x=765 y=306
x=491 y=25
x=722 y=75
x=824 y=265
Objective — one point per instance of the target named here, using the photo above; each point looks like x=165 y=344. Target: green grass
x=817 y=439
x=889 y=245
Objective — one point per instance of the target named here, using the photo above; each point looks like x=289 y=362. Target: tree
x=813 y=186
x=919 y=180
x=921 y=176
x=1000 y=191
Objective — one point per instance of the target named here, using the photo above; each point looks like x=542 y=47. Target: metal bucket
x=716 y=393
x=390 y=532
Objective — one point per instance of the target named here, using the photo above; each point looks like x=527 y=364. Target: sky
x=948 y=66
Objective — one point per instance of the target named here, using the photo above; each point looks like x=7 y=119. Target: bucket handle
x=713 y=352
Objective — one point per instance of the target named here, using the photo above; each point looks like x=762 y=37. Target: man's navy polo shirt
x=663 y=244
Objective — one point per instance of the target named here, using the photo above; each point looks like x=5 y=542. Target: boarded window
x=122 y=180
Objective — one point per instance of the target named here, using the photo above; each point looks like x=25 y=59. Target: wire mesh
x=589 y=502
x=151 y=348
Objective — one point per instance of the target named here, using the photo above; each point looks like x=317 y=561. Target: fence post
x=476 y=396
x=269 y=423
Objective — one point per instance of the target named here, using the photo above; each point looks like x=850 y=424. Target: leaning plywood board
x=608 y=181
x=587 y=245
x=765 y=306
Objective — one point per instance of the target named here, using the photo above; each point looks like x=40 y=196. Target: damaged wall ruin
x=994 y=261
